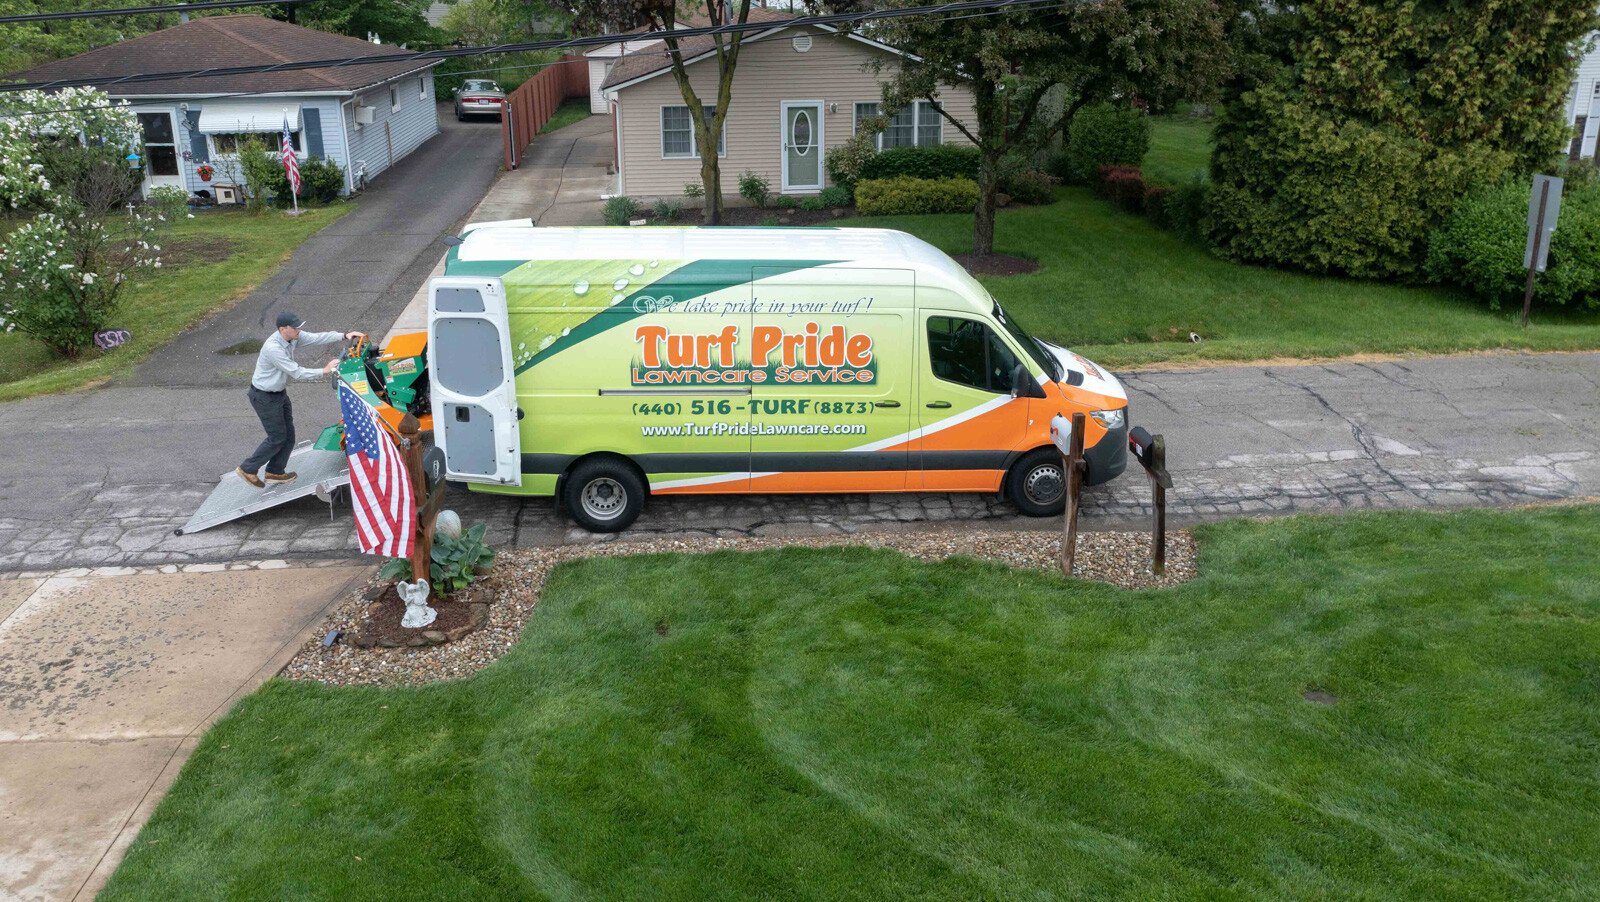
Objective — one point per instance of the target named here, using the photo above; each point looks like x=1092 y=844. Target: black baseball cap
x=292 y=320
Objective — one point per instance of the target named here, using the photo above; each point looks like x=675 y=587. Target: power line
x=565 y=44
x=143 y=10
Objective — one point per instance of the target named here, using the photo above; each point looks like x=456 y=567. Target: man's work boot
x=281 y=477
x=251 y=478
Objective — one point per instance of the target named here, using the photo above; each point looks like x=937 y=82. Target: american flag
x=380 y=487
x=291 y=165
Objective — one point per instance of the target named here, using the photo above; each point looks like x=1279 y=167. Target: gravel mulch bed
x=1119 y=558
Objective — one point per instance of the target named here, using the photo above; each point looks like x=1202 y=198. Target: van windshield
x=1033 y=346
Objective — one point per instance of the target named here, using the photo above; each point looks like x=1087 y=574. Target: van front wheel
x=1036 y=484
x=604 y=495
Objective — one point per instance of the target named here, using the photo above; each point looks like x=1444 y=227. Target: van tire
x=604 y=495
x=1031 y=479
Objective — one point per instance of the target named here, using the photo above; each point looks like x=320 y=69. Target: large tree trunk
x=711 y=177
x=983 y=215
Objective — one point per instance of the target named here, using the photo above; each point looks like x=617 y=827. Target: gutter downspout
x=349 y=152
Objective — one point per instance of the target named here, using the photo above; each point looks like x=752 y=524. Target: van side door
x=473 y=388
x=833 y=411
x=970 y=423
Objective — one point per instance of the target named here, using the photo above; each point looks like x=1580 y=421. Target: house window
x=394 y=99
x=917 y=124
x=227 y=143
x=422 y=88
x=677 y=133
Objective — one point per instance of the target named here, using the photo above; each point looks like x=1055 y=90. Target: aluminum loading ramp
x=321 y=472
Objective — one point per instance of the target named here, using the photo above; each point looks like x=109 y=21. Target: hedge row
x=903 y=195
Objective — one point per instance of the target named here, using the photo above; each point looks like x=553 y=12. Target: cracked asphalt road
x=102 y=478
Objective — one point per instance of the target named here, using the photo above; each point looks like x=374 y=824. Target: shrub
x=1123 y=186
x=1155 y=204
x=260 y=171
x=168 y=201
x=905 y=195
x=321 y=180
x=694 y=190
x=666 y=210
x=1184 y=209
x=813 y=202
x=787 y=202
x=1104 y=135
x=835 y=196
x=1480 y=247
x=754 y=188
x=455 y=563
x=620 y=210
x=1027 y=185
x=845 y=162
x=936 y=161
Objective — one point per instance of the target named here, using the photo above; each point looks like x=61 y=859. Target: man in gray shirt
x=275 y=366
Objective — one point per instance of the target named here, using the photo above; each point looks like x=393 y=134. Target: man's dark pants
x=277 y=417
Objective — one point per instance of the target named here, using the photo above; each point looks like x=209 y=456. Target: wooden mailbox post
x=1068 y=436
x=1151 y=453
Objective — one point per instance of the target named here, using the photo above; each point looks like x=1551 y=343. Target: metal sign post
x=1068 y=437
x=1544 y=208
x=1151 y=452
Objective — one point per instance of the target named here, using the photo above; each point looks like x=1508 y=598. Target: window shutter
x=311 y=123
x=197 y=140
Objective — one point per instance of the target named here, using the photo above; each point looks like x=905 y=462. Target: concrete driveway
x=359 y=272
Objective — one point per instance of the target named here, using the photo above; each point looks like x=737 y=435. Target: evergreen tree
x=1341 y=148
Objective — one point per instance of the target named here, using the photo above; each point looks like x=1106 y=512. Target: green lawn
x=1122 y=292
x=210 y=262
x=869 y=727
x=1180 y=150
x=569 y=112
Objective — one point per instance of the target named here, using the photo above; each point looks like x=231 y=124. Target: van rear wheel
x=604 y=495
x=1036 y=484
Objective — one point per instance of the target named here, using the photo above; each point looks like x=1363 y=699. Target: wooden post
x=1074 y=484
x=411 y=449
x=1158 y=538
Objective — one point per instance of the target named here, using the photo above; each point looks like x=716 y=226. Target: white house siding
x=1584 y=101
x=769 y=73
x=599 y=68
x=415 y=121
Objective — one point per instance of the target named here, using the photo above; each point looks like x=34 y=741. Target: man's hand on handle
x=332 y=365
x=353 y=334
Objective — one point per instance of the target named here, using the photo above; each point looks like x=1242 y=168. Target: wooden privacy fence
x=530 y=106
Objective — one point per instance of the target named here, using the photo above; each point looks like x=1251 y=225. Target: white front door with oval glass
x=802 y=145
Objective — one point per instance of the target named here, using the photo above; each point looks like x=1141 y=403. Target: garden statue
x=415 y=595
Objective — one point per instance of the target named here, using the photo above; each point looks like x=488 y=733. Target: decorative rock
x=433 y=637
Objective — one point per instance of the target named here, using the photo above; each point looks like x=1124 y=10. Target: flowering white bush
x=62 y=164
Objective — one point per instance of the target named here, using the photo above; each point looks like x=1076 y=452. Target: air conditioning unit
x=365 y=115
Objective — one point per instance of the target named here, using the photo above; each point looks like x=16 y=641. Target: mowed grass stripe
x=852 y=724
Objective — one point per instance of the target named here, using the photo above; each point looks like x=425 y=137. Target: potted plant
x=205 y=172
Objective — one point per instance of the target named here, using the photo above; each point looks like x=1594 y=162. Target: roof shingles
x=224 y=41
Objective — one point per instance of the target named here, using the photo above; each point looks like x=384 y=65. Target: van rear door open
x=474 y=392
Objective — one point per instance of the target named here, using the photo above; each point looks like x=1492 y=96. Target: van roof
x=874 y=247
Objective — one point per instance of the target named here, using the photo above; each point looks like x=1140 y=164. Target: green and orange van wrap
x=742 y=375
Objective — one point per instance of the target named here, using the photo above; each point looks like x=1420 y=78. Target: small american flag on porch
x=380 y=486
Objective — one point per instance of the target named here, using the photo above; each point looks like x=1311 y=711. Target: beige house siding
x=769 y=73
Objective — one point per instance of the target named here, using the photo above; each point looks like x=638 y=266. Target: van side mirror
x=1023 y=385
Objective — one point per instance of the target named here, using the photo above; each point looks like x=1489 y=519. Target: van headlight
x=1111 y=419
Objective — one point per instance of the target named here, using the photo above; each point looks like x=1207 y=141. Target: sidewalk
x=110 y=679
x=559 y=183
